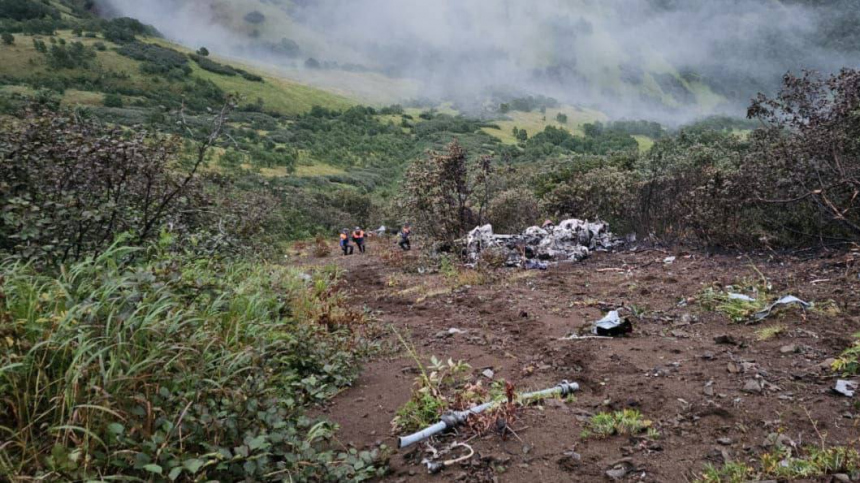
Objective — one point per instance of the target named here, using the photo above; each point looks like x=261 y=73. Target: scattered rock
x=725 y=339
x=733 y=368
x=827 y=364
x=752 y=386
x=709 y=389
x=570 y=461
x=725 y=441
x=497 y=458
x=708 y=356
x=788 y=349
x=619 y=471
x=842 y=477
x=488 y=373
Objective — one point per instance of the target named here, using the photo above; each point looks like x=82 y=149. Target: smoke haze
x=658 y=59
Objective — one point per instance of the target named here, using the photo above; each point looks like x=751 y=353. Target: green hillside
x=102 y=67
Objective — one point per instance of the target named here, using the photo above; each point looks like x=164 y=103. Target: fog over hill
x=645 y=58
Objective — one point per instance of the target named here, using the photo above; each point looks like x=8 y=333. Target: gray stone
x=788 y=349
x=752 y=386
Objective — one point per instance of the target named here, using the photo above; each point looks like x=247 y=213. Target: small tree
x=809 y=151
x=522 y=135
x=561 y=118
x=8 y=39
x=439 y=193
x=203 y=52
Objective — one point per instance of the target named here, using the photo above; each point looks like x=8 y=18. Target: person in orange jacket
x=344 y=242
x=358 y=237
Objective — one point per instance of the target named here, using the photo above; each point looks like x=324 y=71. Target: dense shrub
x=21 y=10
x=69 y=188
x=604 y=193
x=72 y=56
x=210 y=65
x=807 y=158
x=173 y=369
x=513 y=211
x=113 y=100
x=553 y=141
x=8 y=39
x=125 y=30
x=156 y=59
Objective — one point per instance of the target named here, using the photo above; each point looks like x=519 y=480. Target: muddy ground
x=676 y=367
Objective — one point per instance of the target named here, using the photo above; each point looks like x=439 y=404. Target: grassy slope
x=280 y=95
x=535 y=122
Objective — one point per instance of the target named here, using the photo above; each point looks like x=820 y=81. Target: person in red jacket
x=358 y=238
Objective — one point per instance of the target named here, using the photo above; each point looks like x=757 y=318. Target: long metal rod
x=456 y=418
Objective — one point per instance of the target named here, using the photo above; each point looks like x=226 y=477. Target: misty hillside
x=664 y=58
x=429 y=240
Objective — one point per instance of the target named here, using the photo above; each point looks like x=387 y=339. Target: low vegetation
x=625 y=422
x=86 y=355
x=786 y=464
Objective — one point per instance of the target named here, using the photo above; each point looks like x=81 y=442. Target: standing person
x=344 y=242
x=358 y=238
x=404 y=237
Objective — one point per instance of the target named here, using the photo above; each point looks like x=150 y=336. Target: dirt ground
x=676 y=367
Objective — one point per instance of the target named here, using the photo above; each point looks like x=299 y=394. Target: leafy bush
x=90 y=359
x=210 y=65
x=73 y=56
x=125 y=30
x=513 y=211
x=8 y=39
x=113 y=100
x=156 y=59
x=70 y=187
x=605 y=193
x=806 y=158
x=21 y=10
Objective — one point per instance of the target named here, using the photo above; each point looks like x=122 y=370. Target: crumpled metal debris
x=741 y=297
x=612 y=325
x=845 y=388
x=787 y=300
x=570 y=240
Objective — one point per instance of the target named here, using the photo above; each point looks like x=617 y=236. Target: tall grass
x=172 y=369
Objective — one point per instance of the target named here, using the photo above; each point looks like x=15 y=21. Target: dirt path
x=671 y=368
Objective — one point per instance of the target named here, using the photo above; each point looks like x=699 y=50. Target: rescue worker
x=358 y=238
x=344 y=242
x=404 y=238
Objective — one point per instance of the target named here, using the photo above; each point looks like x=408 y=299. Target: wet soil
x=676 y=367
